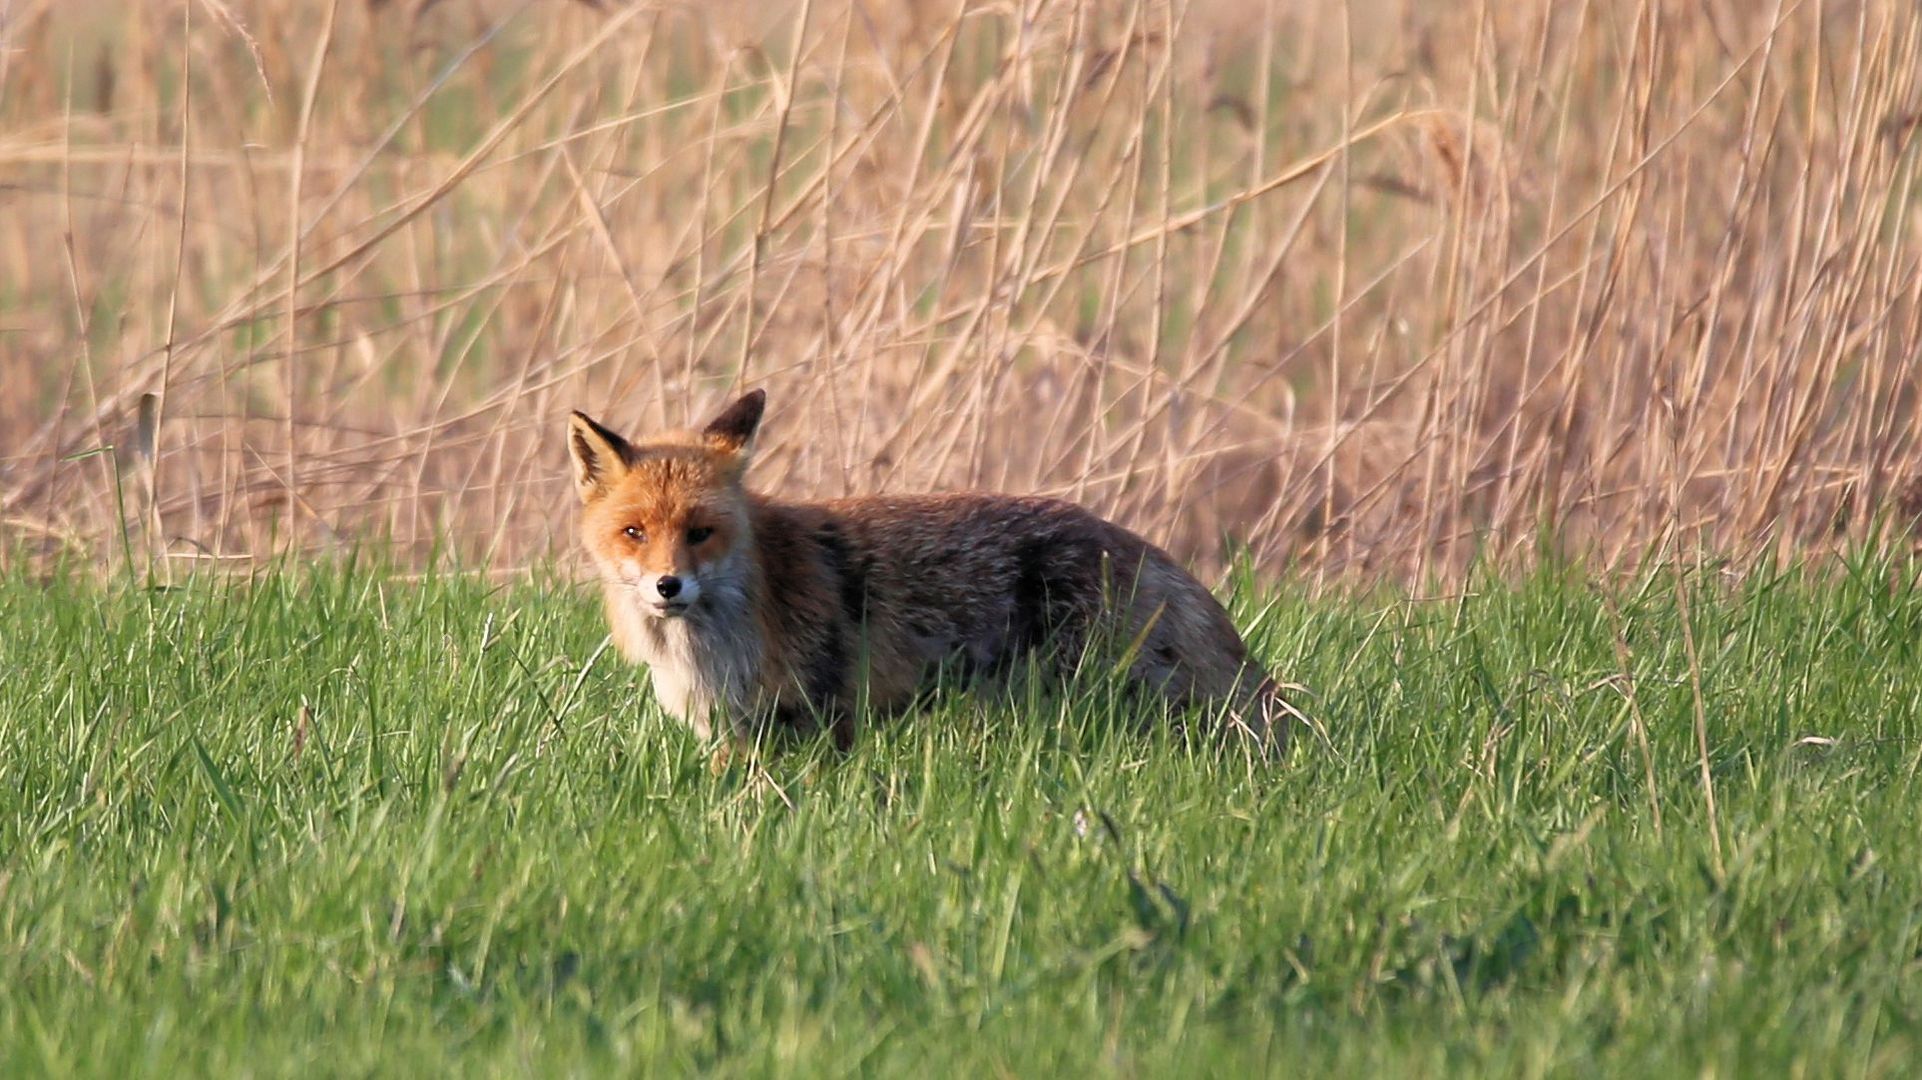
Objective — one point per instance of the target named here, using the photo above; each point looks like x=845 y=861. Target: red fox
x=749 y=611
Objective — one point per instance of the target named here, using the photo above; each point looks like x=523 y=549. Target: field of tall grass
x=337 y=823
x=1361 y=287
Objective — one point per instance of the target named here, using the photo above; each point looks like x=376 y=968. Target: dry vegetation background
x=1368 y=287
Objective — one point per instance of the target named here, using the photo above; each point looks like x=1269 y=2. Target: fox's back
x=975 y=581
x=975 y=562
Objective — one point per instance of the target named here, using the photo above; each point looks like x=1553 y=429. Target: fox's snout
x=670 y=595
x=666 y=586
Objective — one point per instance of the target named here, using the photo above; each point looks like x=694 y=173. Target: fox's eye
x=698 y=533
x=634 y=533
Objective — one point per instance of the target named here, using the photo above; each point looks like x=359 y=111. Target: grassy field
x=342 y=822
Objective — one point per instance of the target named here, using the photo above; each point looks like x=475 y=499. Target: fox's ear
x=600 y=456
x=733 y=430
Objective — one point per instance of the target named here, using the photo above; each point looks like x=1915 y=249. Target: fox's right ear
x=600 y=456
x=734 y=429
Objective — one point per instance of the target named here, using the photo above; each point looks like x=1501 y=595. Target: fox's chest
x=686 y=696
x=697 y=671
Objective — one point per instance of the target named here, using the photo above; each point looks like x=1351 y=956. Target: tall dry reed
x=1373 y=287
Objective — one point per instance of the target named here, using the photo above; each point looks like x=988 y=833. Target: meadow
x=1536 y=380
x=342 y=823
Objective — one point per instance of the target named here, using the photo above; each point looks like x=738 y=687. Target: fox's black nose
x=669 y=585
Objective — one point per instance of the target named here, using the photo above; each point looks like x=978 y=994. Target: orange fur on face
x=668 y=513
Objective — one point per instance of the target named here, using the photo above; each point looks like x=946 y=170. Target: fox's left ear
x=733 y=430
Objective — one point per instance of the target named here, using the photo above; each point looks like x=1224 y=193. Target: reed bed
x=1368 y=289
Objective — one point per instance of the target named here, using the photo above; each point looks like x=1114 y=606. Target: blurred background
x=1365 y=289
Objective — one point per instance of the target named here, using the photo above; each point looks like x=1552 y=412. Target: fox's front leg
x=723 y=756
x=743 y=743
x=734 y=741
x=841 y=728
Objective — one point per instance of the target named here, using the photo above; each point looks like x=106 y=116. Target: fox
x=756 y=616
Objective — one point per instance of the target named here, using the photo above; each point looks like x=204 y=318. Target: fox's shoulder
x=956 y=528
x=987 y=512
x=961 y=508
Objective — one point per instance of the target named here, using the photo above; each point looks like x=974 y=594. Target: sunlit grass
x=338 y=821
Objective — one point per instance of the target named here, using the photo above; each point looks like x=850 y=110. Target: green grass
x=486 y=852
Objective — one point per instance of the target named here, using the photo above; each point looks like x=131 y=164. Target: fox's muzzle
x=669 y=595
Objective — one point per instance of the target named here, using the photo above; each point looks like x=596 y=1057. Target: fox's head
x=667 y=516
